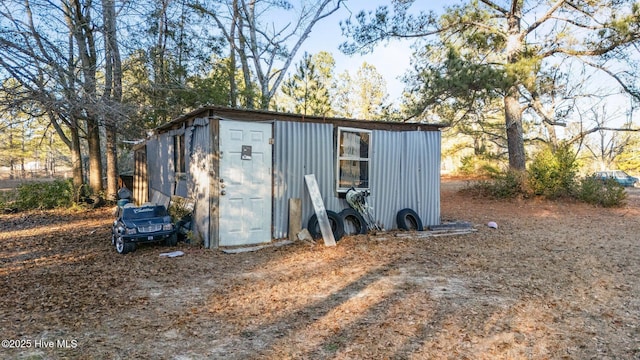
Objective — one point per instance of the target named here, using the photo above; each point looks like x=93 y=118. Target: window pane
x=354 y=173
x=354 y=144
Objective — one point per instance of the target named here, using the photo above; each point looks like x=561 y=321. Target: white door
x=245 y=183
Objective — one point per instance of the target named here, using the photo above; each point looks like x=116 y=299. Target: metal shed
x=241 y=167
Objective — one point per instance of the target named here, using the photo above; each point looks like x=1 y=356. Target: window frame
x=339 y=158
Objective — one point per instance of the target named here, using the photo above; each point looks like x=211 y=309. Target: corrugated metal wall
x=300 y=149
x=198 y=160
x=162 y=177
x=405 y=172
x=195 y=184
x=160 y=160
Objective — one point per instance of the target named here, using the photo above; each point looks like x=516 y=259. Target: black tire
x=337 y=226
x=353 y=217
x=123 y=247
x=131 y=247
x=171 y=240
x=408 y=219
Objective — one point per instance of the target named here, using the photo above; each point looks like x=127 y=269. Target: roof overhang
x=220 y=112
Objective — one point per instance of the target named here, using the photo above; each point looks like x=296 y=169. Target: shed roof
x=264 y=115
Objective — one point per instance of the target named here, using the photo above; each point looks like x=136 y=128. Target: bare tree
x=265 y=49
x=80 y=24
x=43 y=72
x=57 y=73
x=604 y=140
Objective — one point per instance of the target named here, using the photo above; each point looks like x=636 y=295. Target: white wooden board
x=321 y=212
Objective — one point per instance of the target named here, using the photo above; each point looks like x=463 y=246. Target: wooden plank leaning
x=321 y=212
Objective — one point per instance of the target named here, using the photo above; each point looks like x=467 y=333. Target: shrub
x=509 y=184
x=477 y=166
x=8 y=199
x=179 y=208
x=592 y=190
x=607 y=193
x=552 y=174
x=45 y=195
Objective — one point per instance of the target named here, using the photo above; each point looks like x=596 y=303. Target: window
x=178 y=154
x=354 y=149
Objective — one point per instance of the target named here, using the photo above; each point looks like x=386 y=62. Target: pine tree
x=307 y=90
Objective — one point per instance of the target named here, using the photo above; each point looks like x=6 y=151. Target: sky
x=391 y=59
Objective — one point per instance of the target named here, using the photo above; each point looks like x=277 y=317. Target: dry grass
x=554 y=281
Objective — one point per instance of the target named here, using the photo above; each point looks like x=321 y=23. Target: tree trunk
x=233 y=86
x=95 y=156
x=512 y=108
x=80 y=25
x=51 y=165
x=12 y=166
x=515 y=140
x=23 y=171
x=112 y=163
x=246 y=72
x=112 y=95
x=76 y=159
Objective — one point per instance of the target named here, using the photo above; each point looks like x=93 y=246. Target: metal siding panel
x=160 y=160
x=165 y=163
x=405 y=168
x=301 y=149
x=433 y=177
x=412 y=180
x=423 y=154
x=386 y=176
x=405 y=174
x=155 y=161
x=152 y=156
x=197 y=162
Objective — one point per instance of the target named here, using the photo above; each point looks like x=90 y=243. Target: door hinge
x=272 y=141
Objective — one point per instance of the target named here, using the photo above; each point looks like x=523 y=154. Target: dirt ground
x=554 y=281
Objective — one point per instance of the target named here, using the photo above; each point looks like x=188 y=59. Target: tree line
x=506 y=74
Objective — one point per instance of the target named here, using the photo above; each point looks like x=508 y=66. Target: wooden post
x=295 y=218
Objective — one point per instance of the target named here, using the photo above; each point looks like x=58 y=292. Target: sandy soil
x=554 y=281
